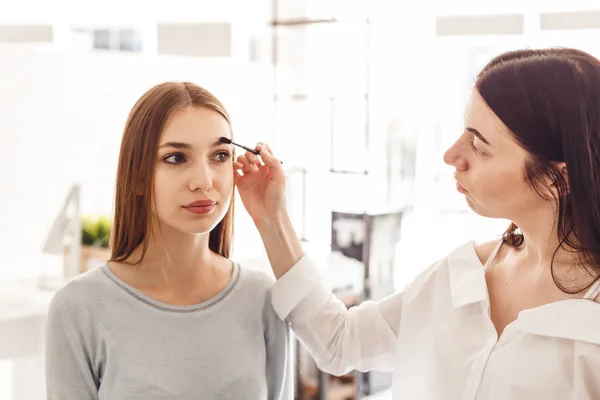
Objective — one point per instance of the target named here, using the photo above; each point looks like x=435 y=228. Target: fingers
x=268 y=158
x=238 y=167
x=246 y=165
x=249 y=162
x=254 y=161
x=261 y=145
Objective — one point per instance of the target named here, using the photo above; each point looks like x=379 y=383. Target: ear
x=562 y=168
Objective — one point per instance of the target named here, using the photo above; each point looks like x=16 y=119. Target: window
x=113 y=39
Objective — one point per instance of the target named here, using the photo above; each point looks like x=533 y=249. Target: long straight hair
x=137 y=159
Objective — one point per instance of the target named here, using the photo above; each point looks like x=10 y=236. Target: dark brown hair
x=550 y=101
x=136 y=167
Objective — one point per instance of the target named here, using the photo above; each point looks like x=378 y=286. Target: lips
x=201 y=203
x=200 y=207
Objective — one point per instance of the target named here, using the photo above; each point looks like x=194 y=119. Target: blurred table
x=23 y=311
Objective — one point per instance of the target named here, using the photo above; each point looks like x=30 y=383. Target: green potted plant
x=95 y=232
x=95 y=239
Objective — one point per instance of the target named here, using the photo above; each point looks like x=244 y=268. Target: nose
x=201 y=178
x=454 y=157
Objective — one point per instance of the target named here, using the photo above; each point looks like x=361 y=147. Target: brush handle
x=257 y=153
x=244 y=147
x=251 y=150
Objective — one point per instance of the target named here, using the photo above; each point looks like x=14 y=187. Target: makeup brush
x=225 y=140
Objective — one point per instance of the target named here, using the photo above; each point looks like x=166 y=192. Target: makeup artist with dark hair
x=516 y=318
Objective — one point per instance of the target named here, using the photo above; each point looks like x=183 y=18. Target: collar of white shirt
x=574 y=319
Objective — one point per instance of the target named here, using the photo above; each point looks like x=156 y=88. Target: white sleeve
x=340 y=340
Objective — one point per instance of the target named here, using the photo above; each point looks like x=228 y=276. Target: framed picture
x=370 y=238
x=348 y=233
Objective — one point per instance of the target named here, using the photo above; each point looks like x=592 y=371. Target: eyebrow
x=478 y=134
x=218 y=143
x=176 y=145
x=186 y=146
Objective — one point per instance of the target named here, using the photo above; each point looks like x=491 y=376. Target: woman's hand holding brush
x=260 y=180
x=262 y=189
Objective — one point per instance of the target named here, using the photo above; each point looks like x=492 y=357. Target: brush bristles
x=225 y=140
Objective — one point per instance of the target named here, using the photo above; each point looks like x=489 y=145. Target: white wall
x=206 y=40
x=27 y=33
x=114 y=11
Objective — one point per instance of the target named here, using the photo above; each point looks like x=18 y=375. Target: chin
x=184 y=222
x=197 y=228
x=204 y=224
x=481 y=211
x=475 y=208
x=193 y=226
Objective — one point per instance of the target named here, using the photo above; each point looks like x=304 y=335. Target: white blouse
x=438 y=338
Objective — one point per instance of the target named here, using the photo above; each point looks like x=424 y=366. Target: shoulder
x=73 y=309
x=81 y=291
x=253 y=286
x=484 y=250
x=258 y=279
x=259 y=283
x=465 y=258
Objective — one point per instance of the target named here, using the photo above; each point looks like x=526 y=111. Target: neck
x=177 y=259
x=541 y=241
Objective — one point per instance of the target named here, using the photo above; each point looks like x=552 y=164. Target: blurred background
x=359 y=98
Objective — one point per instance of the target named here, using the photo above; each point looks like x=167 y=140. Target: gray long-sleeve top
x=106 y=340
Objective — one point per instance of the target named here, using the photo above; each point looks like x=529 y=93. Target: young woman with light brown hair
x=170 y=316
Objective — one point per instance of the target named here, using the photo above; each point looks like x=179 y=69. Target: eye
x=474 y=146
x=222 y=156
x=175 y=158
